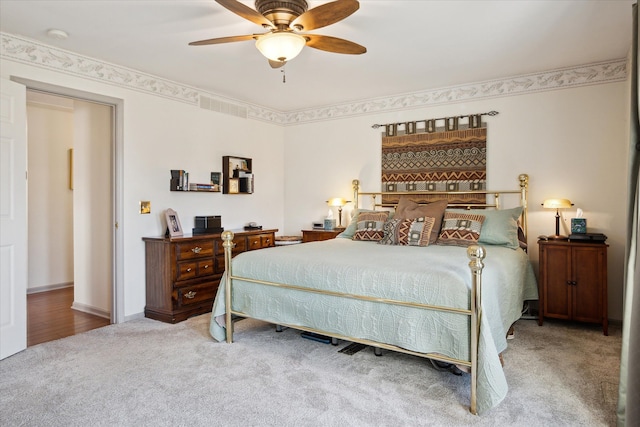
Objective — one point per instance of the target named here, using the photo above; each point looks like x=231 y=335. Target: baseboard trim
x=90 y=310
x=134 y=316
x=47 y=288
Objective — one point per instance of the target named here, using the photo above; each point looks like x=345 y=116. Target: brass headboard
x=524 y=187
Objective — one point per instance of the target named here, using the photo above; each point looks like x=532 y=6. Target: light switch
x=145 y=207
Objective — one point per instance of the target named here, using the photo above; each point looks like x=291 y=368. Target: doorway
x=71 y=212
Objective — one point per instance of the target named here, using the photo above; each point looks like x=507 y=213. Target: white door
x=13 y=218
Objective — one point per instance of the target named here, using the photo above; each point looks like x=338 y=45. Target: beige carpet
x=148 y=373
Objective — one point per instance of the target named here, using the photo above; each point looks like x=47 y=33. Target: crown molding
x=27 y=51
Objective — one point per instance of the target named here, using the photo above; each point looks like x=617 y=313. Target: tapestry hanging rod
x=450 y=124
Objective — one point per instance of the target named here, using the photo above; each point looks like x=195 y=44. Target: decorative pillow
x=500 y=227
x=370 y=225
x=412 y=232
x=460 y=229
x=408 y=209
x=353 y=225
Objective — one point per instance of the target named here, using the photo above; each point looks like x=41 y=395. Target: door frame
x=117 y=167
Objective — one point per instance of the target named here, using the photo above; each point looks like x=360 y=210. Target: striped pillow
x=370 y=226
x=460 y=229
x=411 y=232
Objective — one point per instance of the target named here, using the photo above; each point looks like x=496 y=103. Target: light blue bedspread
x=435 y=274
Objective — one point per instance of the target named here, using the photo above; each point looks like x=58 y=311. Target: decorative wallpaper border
x=19 y=49
x=598 y=73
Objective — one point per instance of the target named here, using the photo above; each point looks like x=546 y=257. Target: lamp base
x=557 y=237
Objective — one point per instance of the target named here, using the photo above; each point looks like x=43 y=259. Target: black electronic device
x=208 y=225
x=588 y=237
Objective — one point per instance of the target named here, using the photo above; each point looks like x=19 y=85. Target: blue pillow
x=500 y=227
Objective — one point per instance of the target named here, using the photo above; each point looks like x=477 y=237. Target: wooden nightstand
x=573 y=282
x=318 y=235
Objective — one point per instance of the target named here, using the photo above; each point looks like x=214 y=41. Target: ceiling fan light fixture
x=280 y=46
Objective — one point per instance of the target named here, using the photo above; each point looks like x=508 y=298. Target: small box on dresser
x=183 y=273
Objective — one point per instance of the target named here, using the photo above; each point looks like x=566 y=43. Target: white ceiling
x=412 y=45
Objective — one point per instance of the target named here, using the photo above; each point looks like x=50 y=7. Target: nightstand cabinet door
x=589 y=267
x=557 y=277
x=573 y=282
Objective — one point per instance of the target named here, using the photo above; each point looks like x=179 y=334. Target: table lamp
x=557 y=204
x=339 y=203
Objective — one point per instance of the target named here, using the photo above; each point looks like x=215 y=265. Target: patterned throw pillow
x=370 y=226
x=411 y=232
x=408 y=209
x=460 y=229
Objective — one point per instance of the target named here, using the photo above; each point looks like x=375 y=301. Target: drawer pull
x=196 y=250
x=206 y=266
x=189 y=270
x=190 y=295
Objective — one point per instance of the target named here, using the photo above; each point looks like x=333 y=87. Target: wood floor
x=50 y=317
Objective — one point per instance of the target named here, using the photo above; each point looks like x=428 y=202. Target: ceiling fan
x=285 y=20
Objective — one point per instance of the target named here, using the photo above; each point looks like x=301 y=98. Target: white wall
x=50 y=200
x=92 y=208
x=161 y=134
x=572 y=143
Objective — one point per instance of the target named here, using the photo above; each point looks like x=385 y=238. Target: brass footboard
x=476 y=255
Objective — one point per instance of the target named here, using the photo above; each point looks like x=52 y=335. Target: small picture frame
x=234 y=185
x=174 y=227
x=216 y=177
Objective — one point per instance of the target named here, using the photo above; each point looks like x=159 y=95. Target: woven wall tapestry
x=438 y=161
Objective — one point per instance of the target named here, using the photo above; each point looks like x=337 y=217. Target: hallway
x=50 y=317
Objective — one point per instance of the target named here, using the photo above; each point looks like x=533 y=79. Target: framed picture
x=234 y=185
x=215 y=177
x=173 y=223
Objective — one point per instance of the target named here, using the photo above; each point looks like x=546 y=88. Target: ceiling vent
x=222 y=107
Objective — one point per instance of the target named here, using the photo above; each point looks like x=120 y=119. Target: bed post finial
x=356 y=191
x=524 y=188
x=476 y=254
x=524 y=179
x=227 y=244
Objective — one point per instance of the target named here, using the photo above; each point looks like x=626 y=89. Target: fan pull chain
x=284 y=75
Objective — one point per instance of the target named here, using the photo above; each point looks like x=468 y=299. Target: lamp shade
x=337 y=201
x=280 y=46
x=557 y=204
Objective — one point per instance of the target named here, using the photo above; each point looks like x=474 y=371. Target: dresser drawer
x=196 y=268
x=206 y=267
x=267 y=240
x=198 y=249
x=190 y=295
x=240 y=245
x=260 y=241
x=254 y=242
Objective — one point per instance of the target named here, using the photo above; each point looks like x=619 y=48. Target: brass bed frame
x=476 y=254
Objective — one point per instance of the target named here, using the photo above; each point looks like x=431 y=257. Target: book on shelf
x=179 y=180
x=203 y=187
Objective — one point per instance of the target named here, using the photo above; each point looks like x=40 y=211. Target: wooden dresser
x=183 y=273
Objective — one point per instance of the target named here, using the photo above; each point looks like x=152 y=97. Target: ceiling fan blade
x=220 y=40
x=246 y=12
x=277 y=64
x=324 y=15
x=334 y=44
